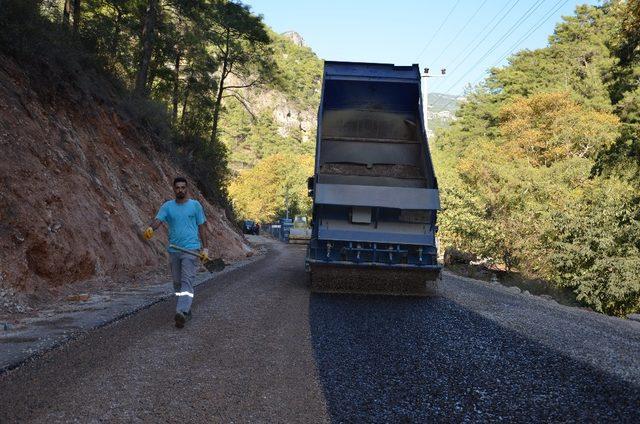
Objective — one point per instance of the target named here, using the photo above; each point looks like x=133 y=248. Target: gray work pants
x=183 y=271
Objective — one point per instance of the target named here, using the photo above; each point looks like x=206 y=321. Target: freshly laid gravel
x=391 y=359
x=261 y=348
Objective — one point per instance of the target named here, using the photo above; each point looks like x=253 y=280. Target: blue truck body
x=375 y=193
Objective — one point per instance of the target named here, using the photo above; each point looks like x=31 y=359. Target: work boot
x=180 y=318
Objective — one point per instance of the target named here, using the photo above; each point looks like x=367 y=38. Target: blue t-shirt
x=183 y=220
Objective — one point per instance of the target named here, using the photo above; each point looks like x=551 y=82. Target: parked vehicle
x=248 y=227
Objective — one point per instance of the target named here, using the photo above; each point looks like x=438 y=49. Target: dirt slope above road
x=78 y=179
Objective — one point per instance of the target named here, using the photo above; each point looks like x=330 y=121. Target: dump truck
x=375 y=193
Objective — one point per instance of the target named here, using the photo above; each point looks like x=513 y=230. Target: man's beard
x=180 y=196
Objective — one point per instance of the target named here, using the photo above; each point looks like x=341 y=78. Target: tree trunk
x=153 y=72
x=76 y=16
x=66 y=13
x=115 y=37
x=185 y=100
x=187 y=91
x=147 y=39
x=218 y=104
x=176 y=85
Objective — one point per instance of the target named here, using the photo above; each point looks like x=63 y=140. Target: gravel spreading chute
x=373 y=280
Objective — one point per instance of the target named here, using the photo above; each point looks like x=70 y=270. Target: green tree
x=243 y=48
x=596 y=247
x=516 y=169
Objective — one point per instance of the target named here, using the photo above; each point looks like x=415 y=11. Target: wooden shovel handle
x=182 y=249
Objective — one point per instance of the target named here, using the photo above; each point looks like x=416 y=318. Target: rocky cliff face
x=279 y=115
x=78 y=180
x=288 y=116
x=294 y=37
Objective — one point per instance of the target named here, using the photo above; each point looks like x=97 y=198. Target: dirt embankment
x=78 y=180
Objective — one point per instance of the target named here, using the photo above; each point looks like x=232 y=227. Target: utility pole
x=425 y=95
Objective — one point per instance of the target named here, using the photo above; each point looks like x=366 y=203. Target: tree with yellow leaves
x=276 y=184
x=548 y=127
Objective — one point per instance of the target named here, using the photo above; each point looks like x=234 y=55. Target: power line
x=438 y=30
x=559 y=5
x=510 y=31
x=500 y=40
x=540 y=22
x=473 y=49
x=486 y=32
x=459 y=31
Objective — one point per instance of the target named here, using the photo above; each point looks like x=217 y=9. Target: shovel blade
x=215 y=265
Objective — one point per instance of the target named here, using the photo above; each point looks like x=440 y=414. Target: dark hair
x=177 y=180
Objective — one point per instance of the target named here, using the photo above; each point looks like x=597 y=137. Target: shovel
x=212 y=265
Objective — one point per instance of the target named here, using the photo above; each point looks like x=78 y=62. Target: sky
x=467 y=37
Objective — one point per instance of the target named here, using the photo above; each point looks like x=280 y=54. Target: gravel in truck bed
x=378 y=170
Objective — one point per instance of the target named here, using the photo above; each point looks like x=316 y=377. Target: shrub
x=597 y=248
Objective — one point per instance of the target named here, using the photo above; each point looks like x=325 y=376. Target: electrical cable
x=475 y=47
x=493 y=47
x=466 y=24
x=559 y=5
x=467 y=52
x=499 y=14
x=500 y=40
x=437 y=31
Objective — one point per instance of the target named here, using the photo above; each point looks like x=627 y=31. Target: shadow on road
x=415 y=359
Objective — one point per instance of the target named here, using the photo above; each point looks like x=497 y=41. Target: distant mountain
x=439 y=102
x=441 y=110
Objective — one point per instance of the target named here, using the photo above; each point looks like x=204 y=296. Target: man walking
x=186 y=221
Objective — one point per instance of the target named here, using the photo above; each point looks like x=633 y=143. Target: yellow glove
x=204 y=255
x=148 y=233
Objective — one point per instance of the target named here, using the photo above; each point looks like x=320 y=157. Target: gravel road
x=262 y=349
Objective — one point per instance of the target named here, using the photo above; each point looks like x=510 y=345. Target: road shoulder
x=62 y=322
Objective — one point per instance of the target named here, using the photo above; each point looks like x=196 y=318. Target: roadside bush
x=152 y=116
x=206 y=161
x=597 y=248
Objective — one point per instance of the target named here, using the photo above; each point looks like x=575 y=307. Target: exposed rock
x=78 y=183
x=634 y=317
x=294 y=37
x=55 y=227
x=291 y=120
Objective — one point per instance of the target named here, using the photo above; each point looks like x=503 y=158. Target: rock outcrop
x=294 y=37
